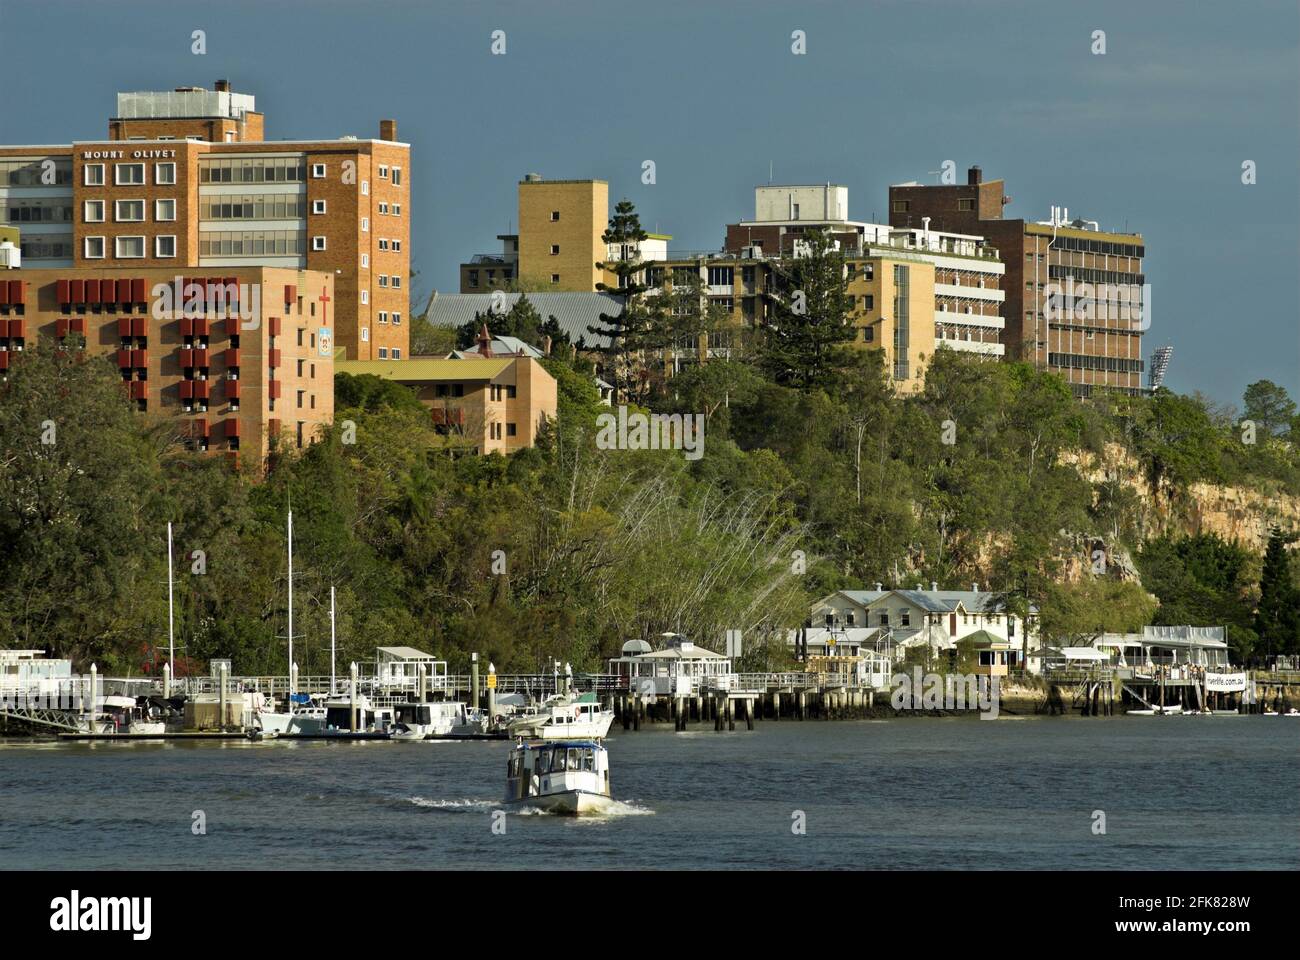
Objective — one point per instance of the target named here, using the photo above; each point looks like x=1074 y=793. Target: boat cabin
x=541 y=768
x=680 y=669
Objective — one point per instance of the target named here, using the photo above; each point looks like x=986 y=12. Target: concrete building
x=186 y=181
x=242 y=361
x=1075 y=294
x=483 y=404
x=11 y=256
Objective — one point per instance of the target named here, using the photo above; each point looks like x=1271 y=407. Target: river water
x=1175 y=793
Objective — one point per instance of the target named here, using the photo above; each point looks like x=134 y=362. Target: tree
x=626 y=330
x=1269 y=406
x=810 y=316
x=1277 y=616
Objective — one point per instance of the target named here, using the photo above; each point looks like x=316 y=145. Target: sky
x=1149 y=137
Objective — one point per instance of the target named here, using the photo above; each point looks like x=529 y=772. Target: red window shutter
x=273 y=428
x=186 y=356
x=187 y=327
x=108 y=291
x=200 y=358
x=232 y=389
x=290 y=293
x=17 y=292
x=61 y=328
x=63 y=293
x=202 y=327
x=231 y=288
x=140 y=359
x=232 y=427
x=273 y=357
x=201 y=389
x=232 y=358
x=187 y=389
x=232 y=325
x=124 y=327
x=139 y=327
x=78 y=325
x=92 y=291
x=77 y=291
x=202 y=428
x=4 y=359
x=139 y=390
x=273 y=326
x=137 y=290
x=18 y=328
x=4 y=291
x=273 y=389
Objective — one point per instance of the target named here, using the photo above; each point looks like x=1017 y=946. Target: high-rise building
x=186 y=181
x=1076 y=298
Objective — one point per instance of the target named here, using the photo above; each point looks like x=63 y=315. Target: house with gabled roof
x=899 y=620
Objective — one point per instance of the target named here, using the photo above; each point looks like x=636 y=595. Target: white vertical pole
x=352 y=693
x=331 y=639
x=94 y=678
x=171 y=631
x=289 y=708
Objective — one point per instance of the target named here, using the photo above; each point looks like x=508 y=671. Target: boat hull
x=567 y=803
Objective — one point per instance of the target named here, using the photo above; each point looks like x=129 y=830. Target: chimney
x=388 y=130
x=974 y=176
x=484 y=342
x=879 y=587
x=974 y=588
x=934 y=586
x=221 y=86
x=546 y=345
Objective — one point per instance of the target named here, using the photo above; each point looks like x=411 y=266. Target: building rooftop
x=422 y=369
x=184 y=103
x=575 y=311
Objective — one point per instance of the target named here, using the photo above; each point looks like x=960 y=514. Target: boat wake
x=616 y=808
x=465 y=805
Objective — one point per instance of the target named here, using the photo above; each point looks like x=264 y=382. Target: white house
x=898 y=620
x=680 y=669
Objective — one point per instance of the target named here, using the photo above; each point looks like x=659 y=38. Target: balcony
x=124 y=359
x=273 y=326
x=200 y=390
x=138 y=389
x=273 y=358
x=17 y=328
x=231 y=389
x=273 y=389
x=232 y=357
x=140 y=359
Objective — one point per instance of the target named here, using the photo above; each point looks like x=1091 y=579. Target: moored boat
x=563 y=717
x=428 y=721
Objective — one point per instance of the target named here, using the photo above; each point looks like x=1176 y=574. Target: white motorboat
x=427 y=721
x=125 y=715
x=563 y=717
x=370 y=718
x=569 y=777
x=1157 y=711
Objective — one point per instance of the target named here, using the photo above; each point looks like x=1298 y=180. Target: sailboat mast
x=171 y=628
x=331 y=638
x=290 y=705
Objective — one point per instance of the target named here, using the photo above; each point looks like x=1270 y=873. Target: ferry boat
x=563 y=717
x=428 y=721
x=568 y=777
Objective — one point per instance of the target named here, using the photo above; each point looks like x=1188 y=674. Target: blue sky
x=1149 y=137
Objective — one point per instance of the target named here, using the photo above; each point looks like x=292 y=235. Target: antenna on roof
x=769 y=171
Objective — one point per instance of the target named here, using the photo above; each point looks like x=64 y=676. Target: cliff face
x=1234 y=513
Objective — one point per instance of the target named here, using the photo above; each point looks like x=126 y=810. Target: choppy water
x=1177 y=793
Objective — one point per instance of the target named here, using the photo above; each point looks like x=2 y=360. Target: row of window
x=1090 y=275
x=254 y=243
x=129 y=248
x=253 y=170
x=128 y=211
x=396 y=317
x=130 y=174
x=1078 y=361
x=37 y=211
x=394 y=354
x=266 y=206
x=47 y=247
x=32 y=173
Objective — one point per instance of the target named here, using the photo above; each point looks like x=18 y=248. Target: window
x=383 y=279
x=365 y=224
x=397 y=319
x=93 y=211
x=94 y=174
x=318 y=243
x=365 y=188
x=383 y=244
x=365 y=296
x=164 y=246
x=383 y=316
x=128 y=211
x=902 y=206
x=383 y=171
x=318 y=171
x=397 y=281
x=868 y=334
x=473 y=278
x=397 y=245
x=94 y=248
x=555 y=278
x=511 y=430
x=128 y=173
x=555 y=215
x=164 y=210
x=397 y=209
x=129 y=248
x=383 y=208
x=965 y=203
x=795 y=209
x=555 y=249
x=383 y=353
x=397 y=176
x=365 y=334
x=905 y=617
x=365 y=261
x=397 y=353
x=511 y=391
x=164 y=174
x=318 y=206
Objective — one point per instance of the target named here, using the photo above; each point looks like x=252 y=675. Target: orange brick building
x=187 y=183
x=242 y=360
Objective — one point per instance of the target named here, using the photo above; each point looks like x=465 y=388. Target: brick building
x=1092 y=338
x=186 y=182
x=241 y=360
